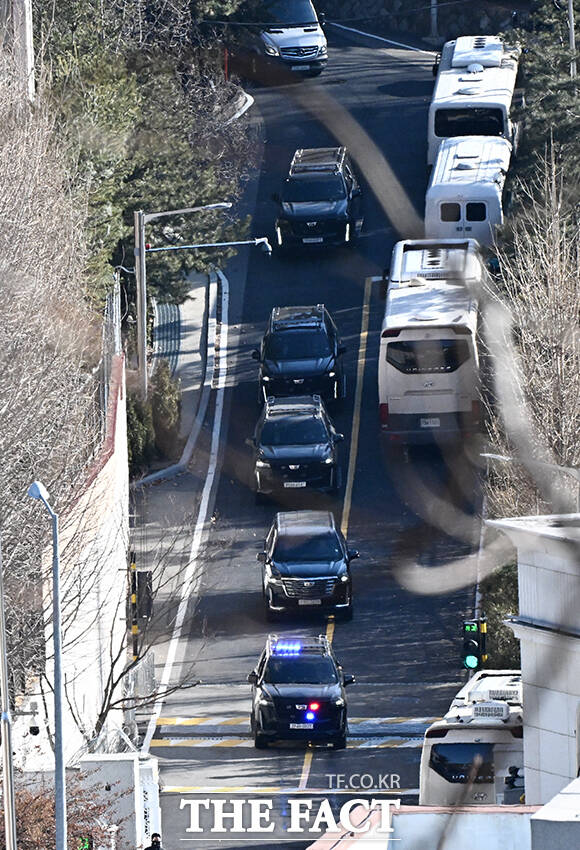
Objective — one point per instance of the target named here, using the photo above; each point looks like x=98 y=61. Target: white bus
x=474 y=91
x=428 y=357
x=474 y=755
x=466 y=192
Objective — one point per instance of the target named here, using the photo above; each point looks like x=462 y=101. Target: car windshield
x=304 y=670
x=297 y=345
x=287 y=12
x=307 y=547
x=300 y=190
x=294 y=430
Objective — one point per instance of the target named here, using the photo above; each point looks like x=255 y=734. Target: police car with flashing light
x=298 y=692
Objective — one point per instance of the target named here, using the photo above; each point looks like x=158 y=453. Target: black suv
x=295 y=446
x=306 y=565
x=320 y=202
x=298 y=692
x=301 y=354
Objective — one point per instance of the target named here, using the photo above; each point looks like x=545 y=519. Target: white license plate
x=301 y=725
x=300 y=67
x=309 y=240
x=310 y=601
x=431 y=422
x=294 y=484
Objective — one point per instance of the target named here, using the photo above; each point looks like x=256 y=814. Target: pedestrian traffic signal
x=474 y=632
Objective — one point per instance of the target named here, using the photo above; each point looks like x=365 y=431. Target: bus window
x=427 y=355
x=462 y=763
x=478 y=121
x=475 y=212
x=450 y=212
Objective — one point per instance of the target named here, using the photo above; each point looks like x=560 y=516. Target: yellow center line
x=362 y=352
x=305 y=770
x=330 y=628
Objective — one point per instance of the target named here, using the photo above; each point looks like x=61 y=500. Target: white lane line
x=192 y=576
x=380 y=38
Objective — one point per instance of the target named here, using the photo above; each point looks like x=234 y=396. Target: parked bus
x=428 y=357
x=474 y=755
x=474 y=91
x=465 y=196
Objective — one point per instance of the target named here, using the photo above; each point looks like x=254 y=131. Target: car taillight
x=384 y=415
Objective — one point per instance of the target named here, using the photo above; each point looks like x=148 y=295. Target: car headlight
x=262 y=464
x=322 y=50
x=344 y=578
x=271 y=50
x=339 y=702
x=275 y=575
x=332 y=374
x=328 y=460
x=265 y=699
x=266 y=378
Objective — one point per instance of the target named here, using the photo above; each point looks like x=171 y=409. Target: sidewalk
x=180 y=336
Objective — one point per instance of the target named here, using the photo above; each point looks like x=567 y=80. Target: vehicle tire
x=340 y=742
x=260 y=742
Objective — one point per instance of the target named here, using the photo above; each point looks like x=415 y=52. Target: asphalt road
x=412 y=512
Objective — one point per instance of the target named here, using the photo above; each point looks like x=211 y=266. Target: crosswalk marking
x=377 y=742
x=242 y=720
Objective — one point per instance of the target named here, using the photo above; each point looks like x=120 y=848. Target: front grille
x=286 y=710
x=309 y=588
x=301 y=386
x=326 y=227
x=299 y=52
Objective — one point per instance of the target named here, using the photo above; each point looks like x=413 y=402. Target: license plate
x=294 y=484
x=431 y=422
x=301 y=725
x=310 y=601
x=300 y=67
x=309 y=240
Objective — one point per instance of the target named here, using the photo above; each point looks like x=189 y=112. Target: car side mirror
x=256 y=354
x=253 y=678
x=353 y=554
x=250 y=441
x=321 y=18
x=347 y=679
x=261 y=557
x=338 y=438
x=342 y=349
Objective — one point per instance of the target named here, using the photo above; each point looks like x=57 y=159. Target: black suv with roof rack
x=320 y=202
x=295 y=446
x=306 y=565
x=301 y=354
x=298 y=692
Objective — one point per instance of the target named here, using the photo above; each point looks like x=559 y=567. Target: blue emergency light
x=288 y=647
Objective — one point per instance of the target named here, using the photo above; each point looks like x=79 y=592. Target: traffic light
x=473 y=654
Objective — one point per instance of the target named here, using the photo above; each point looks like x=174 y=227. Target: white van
x=428 y=357
x=474 y=91
x=284 y=34
x=466 y=192
x=475 y=754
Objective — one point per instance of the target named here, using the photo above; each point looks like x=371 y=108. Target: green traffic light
x=471 y=661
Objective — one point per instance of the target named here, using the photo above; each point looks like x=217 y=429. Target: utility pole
x=572 y=39
x=23 y=45
x=8 y=775
x=434 y=33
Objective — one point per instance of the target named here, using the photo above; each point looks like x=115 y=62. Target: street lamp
x=140 y=220
x=37 y=490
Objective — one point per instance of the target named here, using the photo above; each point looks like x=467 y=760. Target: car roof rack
x=317 y=159
x=294 y=404
x=288 y=317
x=295 y=646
